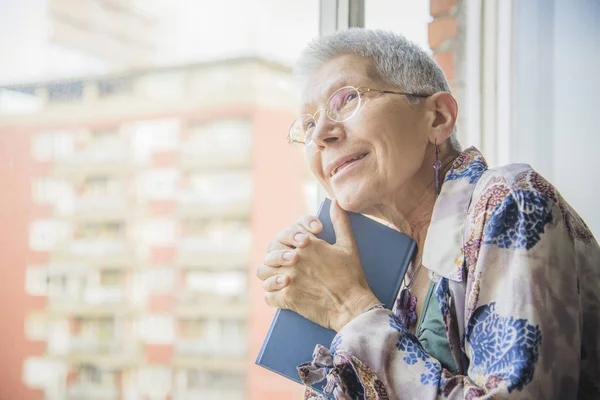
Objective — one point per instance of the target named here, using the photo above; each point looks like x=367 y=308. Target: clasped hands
x=324 y=283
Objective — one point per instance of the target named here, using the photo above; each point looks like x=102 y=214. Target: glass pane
x=143 y=143
x=406 y=17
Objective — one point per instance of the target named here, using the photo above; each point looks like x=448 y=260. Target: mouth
x=346 y=164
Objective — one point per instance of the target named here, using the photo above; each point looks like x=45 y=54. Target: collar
x=443 y=250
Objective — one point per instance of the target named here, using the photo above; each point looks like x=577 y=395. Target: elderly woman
x=502 y=299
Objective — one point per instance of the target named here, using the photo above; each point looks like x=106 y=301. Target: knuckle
x=299 y=227
x=284 y=236
x=269 y=284
x=276 y=258
x=288 y=257
x=307 y=220
x=301 y=251
x=290 y=232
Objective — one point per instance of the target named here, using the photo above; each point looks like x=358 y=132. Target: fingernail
x=288 y=255
x=280 y=280
x=298 y=237
x=314 y=225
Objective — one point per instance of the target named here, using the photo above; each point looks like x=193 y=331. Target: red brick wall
x=16 y=211
x=278 y=200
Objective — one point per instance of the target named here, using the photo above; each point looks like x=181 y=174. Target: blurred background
x=144 y=168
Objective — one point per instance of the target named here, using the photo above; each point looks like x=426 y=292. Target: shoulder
x=513 y=183
x=513 y=205
x=514 y=178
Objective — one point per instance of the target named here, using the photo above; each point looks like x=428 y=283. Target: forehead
x=345 y=70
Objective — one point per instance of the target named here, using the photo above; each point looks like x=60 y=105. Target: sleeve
x=521 y=317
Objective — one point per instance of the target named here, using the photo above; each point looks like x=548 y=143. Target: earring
x=437 y=164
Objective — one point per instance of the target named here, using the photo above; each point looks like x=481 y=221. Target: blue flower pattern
x=519 y=221
x=442 y=295
x=434 y=374
x=408 y=343
x=505 y=347
x=472 y=172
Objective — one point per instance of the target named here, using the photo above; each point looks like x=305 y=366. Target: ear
x=445 y=110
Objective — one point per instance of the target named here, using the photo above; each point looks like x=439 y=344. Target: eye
x=349 y=97
x=309 y=125
x=343 y=99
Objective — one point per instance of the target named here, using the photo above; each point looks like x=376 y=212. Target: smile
x=347 y=163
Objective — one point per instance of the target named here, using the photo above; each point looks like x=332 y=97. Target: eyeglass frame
x=360 y=90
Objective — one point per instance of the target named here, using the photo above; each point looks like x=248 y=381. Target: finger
x=275 y=298
x=310 y=223
x=264 y=272
x=295 y=236
x=276 y=283
x=277 y=258
x=341 y=225
x=277 y=245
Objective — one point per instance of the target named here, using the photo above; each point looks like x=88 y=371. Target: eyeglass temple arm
x=394 y=92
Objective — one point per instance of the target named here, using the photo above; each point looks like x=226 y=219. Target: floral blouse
x=517 y=275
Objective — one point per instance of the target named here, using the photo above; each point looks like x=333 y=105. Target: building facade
x=146 y=199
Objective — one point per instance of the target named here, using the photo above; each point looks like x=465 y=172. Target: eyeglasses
x=342 y=105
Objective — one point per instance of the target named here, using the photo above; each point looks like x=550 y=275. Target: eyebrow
x=328 y=91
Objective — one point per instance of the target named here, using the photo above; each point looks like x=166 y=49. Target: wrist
x=360 y=304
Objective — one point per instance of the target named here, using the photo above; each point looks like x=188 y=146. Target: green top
x=431 y=332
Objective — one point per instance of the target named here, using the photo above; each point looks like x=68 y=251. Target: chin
x=353 y=201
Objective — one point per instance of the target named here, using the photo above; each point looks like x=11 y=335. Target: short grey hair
x=398 y=61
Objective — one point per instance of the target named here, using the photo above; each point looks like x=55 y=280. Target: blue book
x=384 y=254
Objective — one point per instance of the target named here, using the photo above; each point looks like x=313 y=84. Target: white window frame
x=488 y=78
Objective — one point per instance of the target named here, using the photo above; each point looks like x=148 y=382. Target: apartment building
x=149 y=199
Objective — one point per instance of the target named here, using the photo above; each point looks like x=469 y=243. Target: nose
x=327 y=131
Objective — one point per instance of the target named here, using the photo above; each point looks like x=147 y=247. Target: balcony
x=207 y=250
x=224 y=347
x=209 y=394
x=110 y=354
x=193 y=205
x=89 y=301
x=95 y=251
x=113 y=354
x=213 y=261
x=217 y=363
x=90 y=295
x=90 y=345
x=210 y=160
x=100 y=208
x=104 y=160
x=89 y=391
x=193 y=304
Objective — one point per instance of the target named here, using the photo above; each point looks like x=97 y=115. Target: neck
x=411 y=207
